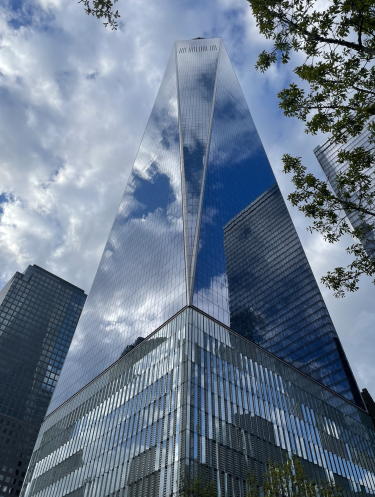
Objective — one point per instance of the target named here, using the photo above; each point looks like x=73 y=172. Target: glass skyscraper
x=205 y=347
x=328 y=160
x=38 y=316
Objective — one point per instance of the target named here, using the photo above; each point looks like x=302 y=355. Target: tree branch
x=338 y=81
x=360 y=31
x=315 y=37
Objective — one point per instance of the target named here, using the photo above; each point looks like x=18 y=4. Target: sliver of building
x=205 y=348
x=327 y=155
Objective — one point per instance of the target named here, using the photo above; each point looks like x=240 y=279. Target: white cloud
x=75 y=98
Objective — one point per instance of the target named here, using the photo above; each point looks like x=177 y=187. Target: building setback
x=38 y=316
x=165 y=379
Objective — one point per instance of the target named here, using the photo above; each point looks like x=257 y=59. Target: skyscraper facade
x=200 y=163
x=165 y=379
x=273 y=296
x=327 y=155
x=38 y=316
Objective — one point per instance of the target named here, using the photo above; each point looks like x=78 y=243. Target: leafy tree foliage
x=290 y=480
x=102 y=9
x=336 y=96
x=195 y=488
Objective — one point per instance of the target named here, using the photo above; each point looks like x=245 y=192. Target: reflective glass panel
x=327 y=155
x=140 y=282
x=38 y=315
x=263 y=410
x=197 y=63
x=251 y=272
x=202 y=222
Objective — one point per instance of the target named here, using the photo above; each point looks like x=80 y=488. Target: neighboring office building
x=156 y=386
x=38 y=316
x=327 y=158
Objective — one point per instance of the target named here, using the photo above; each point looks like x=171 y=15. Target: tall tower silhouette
x=205 y=346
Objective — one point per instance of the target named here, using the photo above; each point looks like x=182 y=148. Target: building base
x=196 y=400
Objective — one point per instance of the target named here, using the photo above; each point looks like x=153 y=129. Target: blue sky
x=74 y=101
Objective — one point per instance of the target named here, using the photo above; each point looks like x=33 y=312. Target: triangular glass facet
x=140 y=282
x=196 y=84
x=237 y=172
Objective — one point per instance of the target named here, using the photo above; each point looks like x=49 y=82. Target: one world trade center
x=205 y=348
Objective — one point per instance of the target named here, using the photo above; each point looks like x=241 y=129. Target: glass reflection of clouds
x=237 y=172
x=274 y=298
x=199 y=165
x=196 y=73
x=197 y=399
x=140 y=282
x=263 y=296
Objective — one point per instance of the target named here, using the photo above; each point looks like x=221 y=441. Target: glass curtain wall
x=140 y=282
x=199 y=165
x=38 y=316
x=196 y=400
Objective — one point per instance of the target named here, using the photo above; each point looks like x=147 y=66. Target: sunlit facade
x=165 y=379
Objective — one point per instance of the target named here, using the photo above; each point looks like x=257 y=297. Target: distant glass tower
x=165 y=379
x=327 y=157
x=38 y=316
